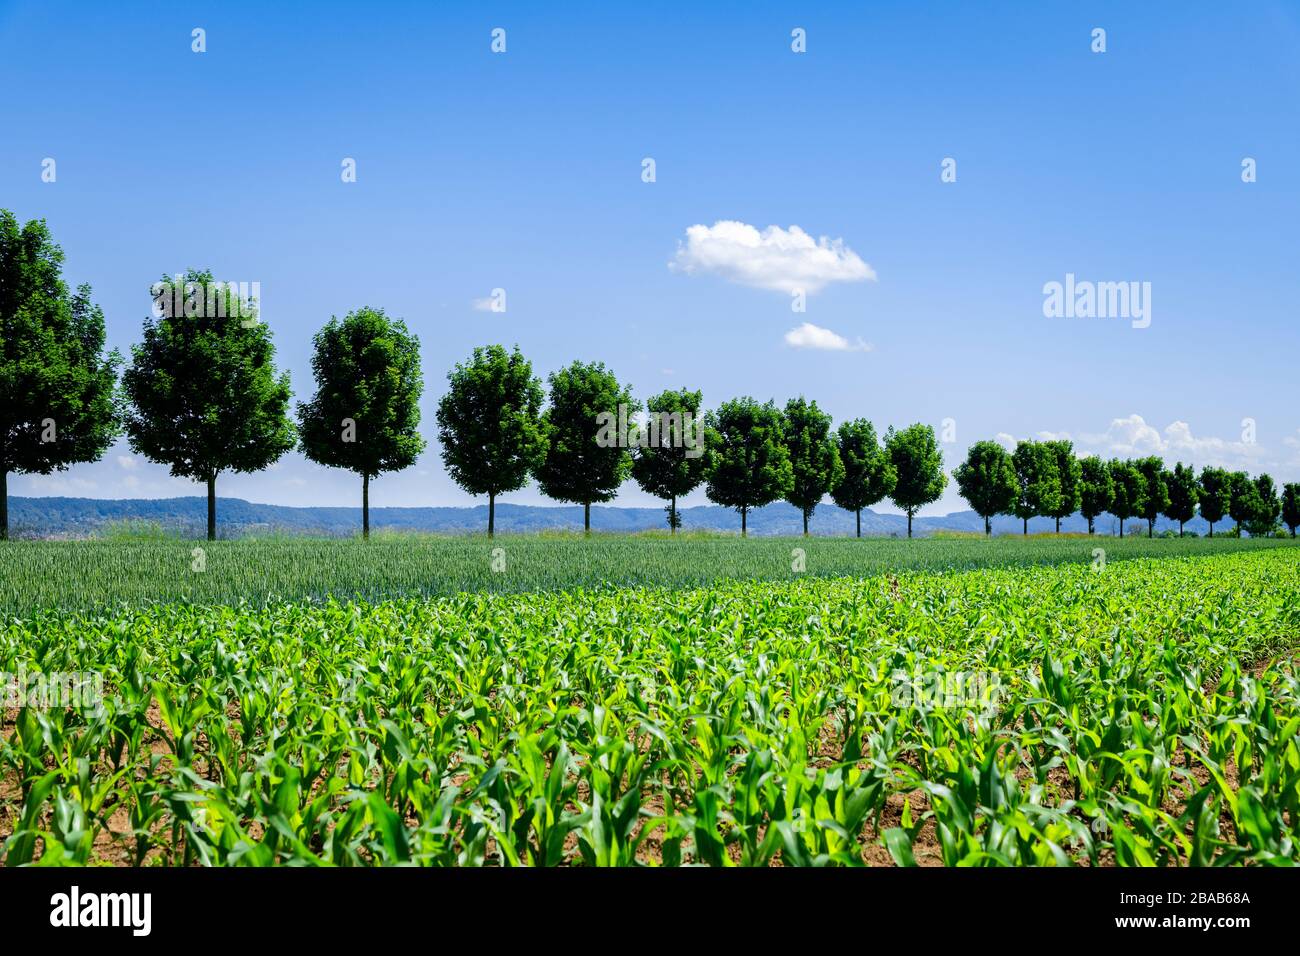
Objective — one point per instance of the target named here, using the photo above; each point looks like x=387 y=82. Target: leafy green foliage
x=869 y=474
x=748 y=461
x=490 y=425
x=1038 y=481
x=1215 y=495
x=668 y=466
x=1146 y=715
x=204 y=393
x=1130 y=486
x=366 y=411
x=58 y=403
x=918 y=463
x=1070 y=477
x=577 y=466
x=1184 y=492
x=1290 y=503
x=987 y=480
x=1096 y=489
x=1155 y=491
x=814 y=458
x=1263 y=518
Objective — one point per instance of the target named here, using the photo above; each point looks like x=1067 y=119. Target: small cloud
x=1006 y=441
x=667 y=371
x=784 y=260
x=481 y=305
x=127 y=463
x=809 y=336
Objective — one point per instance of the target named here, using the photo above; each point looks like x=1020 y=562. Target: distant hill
x=88 y=517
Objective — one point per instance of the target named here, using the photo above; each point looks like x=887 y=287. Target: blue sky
x=523 y=171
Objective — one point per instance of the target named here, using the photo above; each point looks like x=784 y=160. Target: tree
x=1096 y=489
x=1215 y=495
x=1155 y=493
x=1038 y=481
x=203 y=390
x=1070 y=477
x=586 y=457
x=1130 y=489
x=918 y=463
x=490 y=424
x=1263 y=518
x=1183 y=494
x=1243 y=499
x=366 y=411
x=814 y=457
x=670 y=463
x=1291 y=506
x=987 y=480
x=748 y=462
x=58 y=402
x=868 y=473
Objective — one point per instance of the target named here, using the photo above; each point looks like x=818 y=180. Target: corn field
x=1144 y=713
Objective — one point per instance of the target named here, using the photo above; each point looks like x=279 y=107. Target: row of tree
x=1047 y=478
x=201 y=394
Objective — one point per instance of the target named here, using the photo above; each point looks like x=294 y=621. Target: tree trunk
x=988 y=526
x=365 y=505
x=1090 y=526
x=744 y=532
x=586 y=517
x=1211 y=529
x=212 y=507
x=1121 y=527
x=1026 y=520
x=1058 y=525
x=1180 y=529
x=672 y=515
x=805 y=524
x=1151 y=527
x=859 y=522
x=909 y=524
x=492 y=513
x=1292 y=527
x=4 y=504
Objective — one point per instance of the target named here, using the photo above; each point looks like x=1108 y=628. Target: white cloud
x=778 y=259
x=127 y=463
x=481 y=305
x=1132 y=437
x=1006 y=441
x=809 y=336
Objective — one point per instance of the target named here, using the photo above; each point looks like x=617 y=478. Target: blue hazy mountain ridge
x=88 y=517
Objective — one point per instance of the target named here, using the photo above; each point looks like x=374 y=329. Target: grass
x=137 y=571
x=1144 y=713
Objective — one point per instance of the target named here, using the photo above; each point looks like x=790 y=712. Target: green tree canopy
x=1215 y=495
x=365 y=414
x=1263 y=518
x=1155 y=494
x=1130 y=491
x=1038 y=481
x=1243 y=499
x=748 y=462
x=814 y=457
x=1070 y=477
x=585 y=459
x=204 y=393
x=1184 y=490
x=490 y=424
x=1096 y=489
x=868 y=473
x=918 y=463
x=1291 y=506
x=670 y=463
x=987 y=480
x=58 y=401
